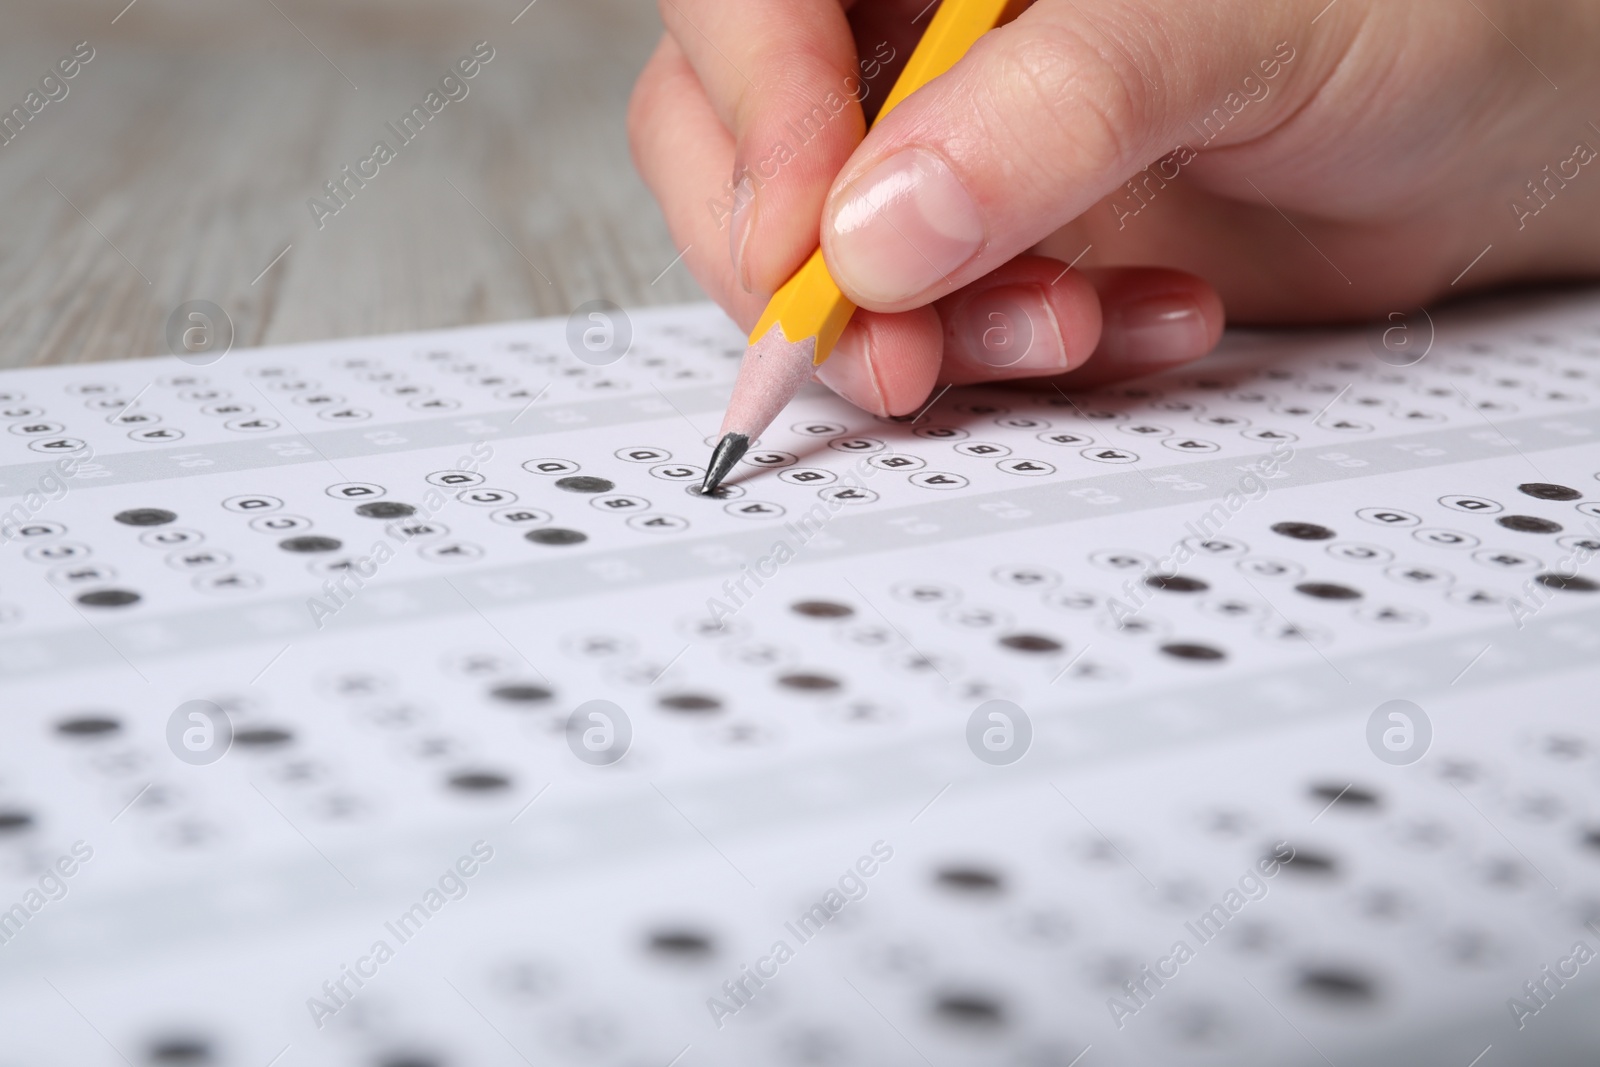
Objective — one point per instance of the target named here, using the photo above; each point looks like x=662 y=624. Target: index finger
x=784 y=78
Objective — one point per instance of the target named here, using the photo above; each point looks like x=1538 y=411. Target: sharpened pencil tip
x=729 y=451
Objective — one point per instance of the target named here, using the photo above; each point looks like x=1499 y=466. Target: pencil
x=805 y=317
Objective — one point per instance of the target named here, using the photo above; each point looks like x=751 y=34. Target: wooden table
x=180 y=162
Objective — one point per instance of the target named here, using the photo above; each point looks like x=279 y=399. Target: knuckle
x=1083 y=82
x=644 y=101
x=643 y=106
x=638 y=111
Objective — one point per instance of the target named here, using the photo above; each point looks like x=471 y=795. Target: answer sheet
x=398 y=701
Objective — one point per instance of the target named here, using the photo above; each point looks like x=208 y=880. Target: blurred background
x=179 y=165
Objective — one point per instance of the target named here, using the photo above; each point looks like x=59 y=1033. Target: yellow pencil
x=805 y=317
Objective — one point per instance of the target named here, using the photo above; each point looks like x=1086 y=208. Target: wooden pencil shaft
x=810 y=303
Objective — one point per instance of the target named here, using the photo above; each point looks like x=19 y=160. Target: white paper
x=1330 y=533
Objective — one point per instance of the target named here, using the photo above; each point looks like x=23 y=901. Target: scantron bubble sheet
x=397 y=701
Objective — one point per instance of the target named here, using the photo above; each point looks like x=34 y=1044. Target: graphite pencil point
x=729 y=451
x=772 y=372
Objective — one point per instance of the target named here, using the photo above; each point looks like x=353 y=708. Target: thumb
x=1043 y=118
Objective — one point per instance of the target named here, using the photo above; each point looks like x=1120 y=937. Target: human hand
x=1296 y=160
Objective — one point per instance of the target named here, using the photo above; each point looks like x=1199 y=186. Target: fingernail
x=1167 y=328
x=1007 y=331
x=850 y=373
x=903 y=227
x=744 y=211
